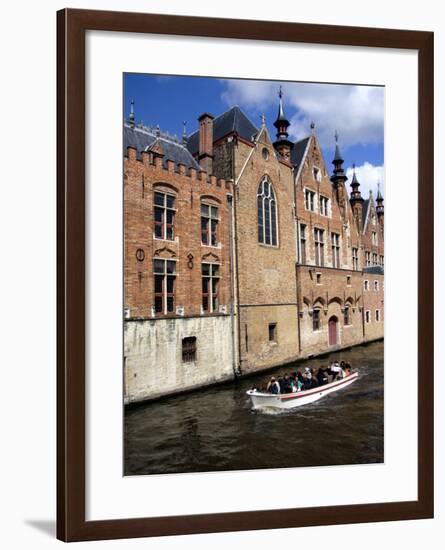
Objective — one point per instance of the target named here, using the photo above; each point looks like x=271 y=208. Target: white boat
x=290 y=400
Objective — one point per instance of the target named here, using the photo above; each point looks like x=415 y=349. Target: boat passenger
x=307 y=383
x=335 y=370
x=322 y=376
x=273 y=386
x=285 y=384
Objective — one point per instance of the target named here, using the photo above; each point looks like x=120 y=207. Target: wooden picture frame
x=71 y=472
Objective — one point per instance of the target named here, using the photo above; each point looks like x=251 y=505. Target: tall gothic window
x=267 y=213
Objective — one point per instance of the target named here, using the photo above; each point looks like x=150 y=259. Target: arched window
x=267 y=213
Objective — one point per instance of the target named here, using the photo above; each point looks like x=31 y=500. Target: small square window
x=189 y=349
x=272 y=332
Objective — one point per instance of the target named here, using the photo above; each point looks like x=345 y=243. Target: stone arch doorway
x=333 y=330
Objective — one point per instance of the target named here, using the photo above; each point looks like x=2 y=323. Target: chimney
x=205 y=156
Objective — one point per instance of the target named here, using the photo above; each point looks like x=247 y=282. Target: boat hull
x=292 y=400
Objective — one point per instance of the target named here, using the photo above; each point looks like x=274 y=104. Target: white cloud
x=368 y=176
x=356 y=112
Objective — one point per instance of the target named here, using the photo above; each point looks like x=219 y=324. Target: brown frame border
x=71 y=27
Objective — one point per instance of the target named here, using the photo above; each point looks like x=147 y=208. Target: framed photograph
x=245 y=275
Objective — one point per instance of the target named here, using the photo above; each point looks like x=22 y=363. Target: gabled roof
x=365 y=212
x=143 y=138
x=297 y=151
x=233 y=120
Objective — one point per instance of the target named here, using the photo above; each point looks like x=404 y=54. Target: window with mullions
x=302 y=244
x=367 y=258
x=347 y=316
x=309 y=200
x=355 y=259
x=267 y=213
x=319 y=246
x=209 y=225
x=316 y=322
x=335 y=240
x=210 y=283
x=164 y=215
x=164 y=279
x=324 y=208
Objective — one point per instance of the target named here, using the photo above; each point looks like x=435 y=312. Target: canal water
x=215 y=429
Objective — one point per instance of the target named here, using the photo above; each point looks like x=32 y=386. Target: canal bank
x=230 y=377
x=214 y=429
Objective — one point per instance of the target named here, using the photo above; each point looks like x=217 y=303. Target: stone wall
x=153 y=355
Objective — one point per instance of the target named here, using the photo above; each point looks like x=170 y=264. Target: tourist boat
x=290 y=400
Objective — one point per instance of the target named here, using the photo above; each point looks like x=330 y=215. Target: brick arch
x=210 y=198
x=306 y=301
x=320 y=300
x=335 y=300
x=349 y=301
x=168 y=187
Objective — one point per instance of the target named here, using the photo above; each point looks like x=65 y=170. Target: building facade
x=241 y=253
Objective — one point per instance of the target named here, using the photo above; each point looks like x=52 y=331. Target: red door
x=332 y=325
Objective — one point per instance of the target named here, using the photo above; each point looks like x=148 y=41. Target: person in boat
x=348 y=369
x=322 y=377
x=273 y=386
x=335 y=370
x=307 y=382
x=285 y=384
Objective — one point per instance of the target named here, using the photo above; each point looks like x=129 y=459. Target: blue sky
x=355 y=112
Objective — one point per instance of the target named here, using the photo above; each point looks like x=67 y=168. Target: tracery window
x=267 y=213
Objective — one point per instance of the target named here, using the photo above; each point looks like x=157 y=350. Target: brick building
x=241 y=253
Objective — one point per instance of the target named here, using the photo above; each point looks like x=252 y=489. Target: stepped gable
x=233 y=120
x=142 y=138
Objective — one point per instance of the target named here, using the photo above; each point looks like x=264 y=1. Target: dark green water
x=214 y=429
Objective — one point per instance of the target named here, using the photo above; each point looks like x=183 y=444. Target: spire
x=313 y=128
x=337 y=155
x=356 y=196
x=184 y=132
x=131 y=115
x=339 y=174
x=281 y=115
x=282 y=143
x=263 y=120
x=379 y=200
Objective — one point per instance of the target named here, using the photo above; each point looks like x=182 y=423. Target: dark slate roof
x=365 y=211
x=233 y=120
x=375 y=269
x=297 y=151
x=143 y=138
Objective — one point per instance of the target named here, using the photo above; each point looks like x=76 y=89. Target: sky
x=356 y=113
